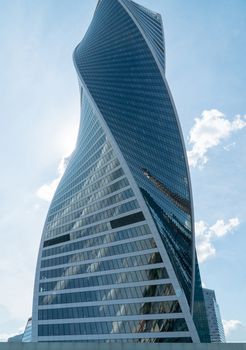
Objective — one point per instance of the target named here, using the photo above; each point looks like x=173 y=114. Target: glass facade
x=27 y=335
x=130 y=91
x=199 y=310
x=216 y=328
x=117 y=252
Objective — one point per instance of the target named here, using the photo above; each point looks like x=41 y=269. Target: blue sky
x=39 y=117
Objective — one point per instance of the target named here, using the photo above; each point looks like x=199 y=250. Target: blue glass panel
x=135 y=102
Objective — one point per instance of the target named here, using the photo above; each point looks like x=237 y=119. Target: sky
x=39 y=119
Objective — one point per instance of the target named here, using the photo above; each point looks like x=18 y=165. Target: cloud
x=206 y=235
x=220 y=228
x=5 y=336
x=209 y=130
x=231 y=325
x=229 y=147
x=46 y=191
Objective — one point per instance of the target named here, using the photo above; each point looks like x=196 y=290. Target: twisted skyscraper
x=117 y=256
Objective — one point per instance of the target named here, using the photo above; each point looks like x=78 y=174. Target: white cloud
x=220 y=228
x=231 y=325
x=206 y=235
x=46 y=191
x=5 y=336
x=229 y=147
x=209 y=130
x=204 y=246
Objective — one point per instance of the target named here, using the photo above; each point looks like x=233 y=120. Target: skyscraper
x=117 y=254
x=214 y=319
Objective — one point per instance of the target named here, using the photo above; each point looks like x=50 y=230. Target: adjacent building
x=216 y=328
x=27 y=335
x=24 y=337
x=15 y=338
x=117 y=256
